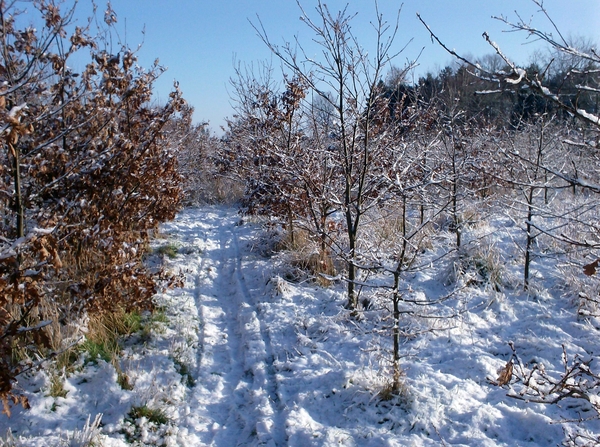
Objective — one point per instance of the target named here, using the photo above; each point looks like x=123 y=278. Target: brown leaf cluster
x=590 y=269
x=505 y=375
x=87 y=173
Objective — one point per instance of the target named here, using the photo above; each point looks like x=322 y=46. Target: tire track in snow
x=271 y=422
x=201 y=332
x=239 y=427
x=200 y=275
x=235 y=401
x=210 y=417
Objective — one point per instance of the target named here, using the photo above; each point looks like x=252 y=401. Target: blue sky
x=199 y=40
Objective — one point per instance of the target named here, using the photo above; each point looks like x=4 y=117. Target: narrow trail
x=241 y=419
x=234 y=357
x=271 y=422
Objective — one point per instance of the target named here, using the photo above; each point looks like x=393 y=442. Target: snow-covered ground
x=246 y=358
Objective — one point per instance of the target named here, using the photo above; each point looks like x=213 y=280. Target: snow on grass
x=241 y=356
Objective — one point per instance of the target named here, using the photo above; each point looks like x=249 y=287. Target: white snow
x=247 y=358
x=589 y=116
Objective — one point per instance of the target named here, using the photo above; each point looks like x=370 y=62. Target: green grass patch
x=169 y=250
x=186 y=376
x=132 y=322
x=133 y=428
x=159 y=316
x=57 y=386
x=103 y=349
x=152 y=415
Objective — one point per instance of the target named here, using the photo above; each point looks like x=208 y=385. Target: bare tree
x=347 y=78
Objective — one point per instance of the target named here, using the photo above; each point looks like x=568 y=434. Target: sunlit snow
x=248 y=358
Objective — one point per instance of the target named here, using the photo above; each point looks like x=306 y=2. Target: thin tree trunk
x=456 y=219
x=352 y=298
x=19 y=209
x=323 y=235
x=530 y=239
x=291 y=227
x=396 y=297
x=396 y=333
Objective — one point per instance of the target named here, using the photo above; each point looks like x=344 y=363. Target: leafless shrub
x=580 y=438
x=576 y=381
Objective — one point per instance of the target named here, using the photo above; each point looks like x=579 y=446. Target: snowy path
x=235 y=400
x=242 y=357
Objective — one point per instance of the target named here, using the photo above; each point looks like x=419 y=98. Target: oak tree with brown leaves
x=86 y=175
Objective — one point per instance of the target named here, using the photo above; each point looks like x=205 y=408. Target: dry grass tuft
x=477 y=265
x=304 y=257
x=316 y=265
x=394 y=387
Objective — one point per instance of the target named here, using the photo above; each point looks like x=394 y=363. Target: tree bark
x=18 y=202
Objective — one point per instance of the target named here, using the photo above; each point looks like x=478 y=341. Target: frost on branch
x=536 y=384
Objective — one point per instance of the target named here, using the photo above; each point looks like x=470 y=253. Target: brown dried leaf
x=505 y=374
x=56 y=259
x=13 y=137
x=590 y=269
x=5 y=405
